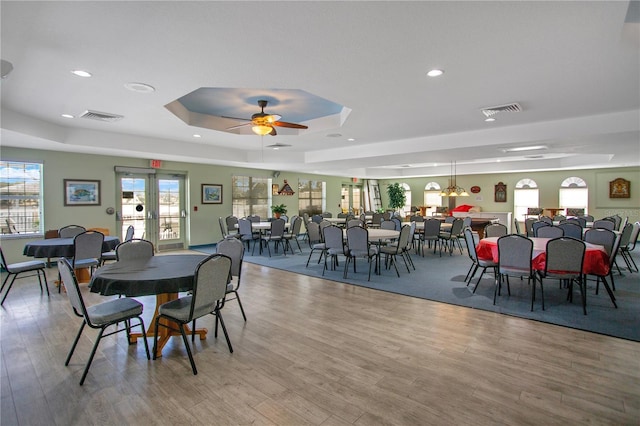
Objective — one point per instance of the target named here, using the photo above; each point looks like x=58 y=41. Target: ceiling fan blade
x=238 y=126
x=273 y=131
x=235 y=118
x=290 y=125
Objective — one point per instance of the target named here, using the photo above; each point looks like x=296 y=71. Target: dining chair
x=276 y=235
x=546 y=219
x=564 y=257
x=111 y=255
x=550 y=232
x=625 y=239
x=376 y=219
x=355 y=222
x=316 y=218
x=430 y=234
x=15 y=270
x=100 y=316
x=451 y=237
x=392 y=251
x=387 y=224
x=470 y=239
x=134 y=249
x=625 y=250
x=610 y=242
x=517 y=226
x=528 y=225
x=87 y=251
x=70 y=231
x=559 y=217
x=537 y=225
x=495 y=230
x=514 y=260
x=315 y=241
x=358 y=246
x=231 y=222
x=234 y=250
x=223 y=228
x=604 y=224
x=247 y=235
x=207 y=297
x=293 y=233
x=334 y=246
x=571 y=229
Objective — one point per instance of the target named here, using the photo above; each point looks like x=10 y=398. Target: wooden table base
x=164 y=333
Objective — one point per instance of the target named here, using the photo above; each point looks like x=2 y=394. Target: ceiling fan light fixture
x=261 y=130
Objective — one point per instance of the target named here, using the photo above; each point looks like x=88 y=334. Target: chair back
x=467 y=221
x=550 y=232
x=129 y=234
x=559 y=217
x=601 y=236
x=277 y=228
x=254 y=218
x=564 y=257
x=134 y=249
x=571 y=229
x=209 y=284
x=87 y=245
x=323 y=225
x=604 y=224
x=313 y=233
x=284 y=217
x=234 y=250
x=354 y=222
x=416 y=218
x=617 y=220
x=387 y=224
x=223 y=228
x=625 y=235
x=456 y=227
x=514 y=255
x=386 y=216
x=537 y=225
x=546 y=219
x=333 y=238
x=357 y=241
x=68 y=278
x=576 y=221
x=634 y=235
x=588 y=218
x=403 y=238
x=471 y=244
x=316 y=218
x=296 y=227
x=495 y=230
x=305 y=218
x=449 y=219
x=431 y=229
x=397 y=222
x=376 y=219
x=528 y=225
x=70 y=231
x=327 y=214
x=244 y=227
x=412 y=233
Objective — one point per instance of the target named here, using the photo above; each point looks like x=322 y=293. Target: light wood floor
x=317 y=352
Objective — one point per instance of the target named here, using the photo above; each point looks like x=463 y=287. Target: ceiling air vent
x=491 y=111
x=101 y=116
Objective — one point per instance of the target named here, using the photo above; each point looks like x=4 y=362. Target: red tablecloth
x=596 y=260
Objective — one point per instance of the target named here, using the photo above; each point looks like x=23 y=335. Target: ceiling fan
x=265 y=124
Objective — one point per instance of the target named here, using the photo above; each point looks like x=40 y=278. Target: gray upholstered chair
x=391 y=252
x=550 y=232
x=14 y=270
x=315 y=241
x=431 y=233
x=495 y=230
x=134 y=249
x=564 y=259
x=334 y=243
x=234 y=250
x=571 y=229
x=276 y=235
x=70 y=231
x=358 y=246
x=111 y=255
x=476 y=263
x=87 y=251
x=207 y=297
x=514 y=260
x=99 y=316
x=293 y=233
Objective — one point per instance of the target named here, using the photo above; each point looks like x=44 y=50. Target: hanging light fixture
x=453 y=190
x=262 y=129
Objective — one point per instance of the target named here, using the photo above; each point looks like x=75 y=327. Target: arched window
x=407 y=203
x=525 y=196
x=432 y=197
x=574 y=194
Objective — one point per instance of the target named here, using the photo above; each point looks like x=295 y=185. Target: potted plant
x=397 y=197
x=279 y=209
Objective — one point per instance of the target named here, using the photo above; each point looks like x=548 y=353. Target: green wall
x=202 y=225
x=600 y=205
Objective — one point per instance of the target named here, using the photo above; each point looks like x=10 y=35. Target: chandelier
x=453 y=190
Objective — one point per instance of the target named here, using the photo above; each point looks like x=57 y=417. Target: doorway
x=351 y=199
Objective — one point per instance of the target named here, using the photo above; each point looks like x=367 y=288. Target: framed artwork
x=211 y=193
x=500 y=193
x=620 y=188
x=275 y=189
x=79 y=192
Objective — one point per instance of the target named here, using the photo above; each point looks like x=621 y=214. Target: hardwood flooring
x=316 y=352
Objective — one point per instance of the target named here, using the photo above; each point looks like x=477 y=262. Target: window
x=524 y=196
x=407 y=203
x=311 y=197
x=432 y=197
x=21 y=198
x=574 y=194
x=251 y=196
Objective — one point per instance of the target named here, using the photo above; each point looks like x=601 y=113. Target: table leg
x=164 y=333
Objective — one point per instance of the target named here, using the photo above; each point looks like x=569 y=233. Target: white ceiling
x=568 y=64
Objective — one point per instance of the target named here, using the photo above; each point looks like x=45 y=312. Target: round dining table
x=162 y=276
x=62 y=247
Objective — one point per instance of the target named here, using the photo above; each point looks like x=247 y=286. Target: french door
x=154 y=204
x=351 y=199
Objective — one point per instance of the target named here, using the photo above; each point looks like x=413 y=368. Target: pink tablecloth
x=596 y=260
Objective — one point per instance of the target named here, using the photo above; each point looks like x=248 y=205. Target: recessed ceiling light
x=278 y=145
x=140 y=87
x=67 y=115
x=81 y=73
x=489 y=120
x=197 y=136
x=435 y=73
x=351 y=139
x=524 y=148
x=334 y=135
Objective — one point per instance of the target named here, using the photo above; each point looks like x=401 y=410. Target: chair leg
x=8 y=288
x=188 y=347
x=224 y=330
x=611 y=296
x=155 y=337
x=240 y=303
x=75 y=342
x=144 y=337
x=44 y=276
x=93 y=353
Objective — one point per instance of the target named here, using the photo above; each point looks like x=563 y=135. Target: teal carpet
x=441 y=279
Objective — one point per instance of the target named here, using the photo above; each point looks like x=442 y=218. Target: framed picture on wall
x=620 y=188
x=500 y=193
x=211 y=193
x=81 y=192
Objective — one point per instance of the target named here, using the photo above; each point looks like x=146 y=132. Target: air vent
x=491 y=111
x=101 y=116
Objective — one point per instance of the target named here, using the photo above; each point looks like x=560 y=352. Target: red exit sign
x=155 y=164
